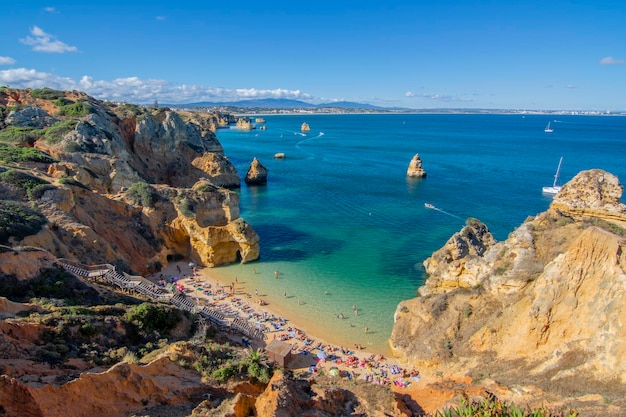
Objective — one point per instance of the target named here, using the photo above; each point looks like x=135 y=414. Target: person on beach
x=285 y=293
x=178 y=268
x=276 y=274
x=256 y=292
x=366 y=329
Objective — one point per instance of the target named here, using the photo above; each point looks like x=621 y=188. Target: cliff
x=543 y=311
x=131 y=185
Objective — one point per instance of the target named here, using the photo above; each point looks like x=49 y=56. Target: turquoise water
x=345 y=227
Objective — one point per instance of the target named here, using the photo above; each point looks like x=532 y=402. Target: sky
x=507 y=54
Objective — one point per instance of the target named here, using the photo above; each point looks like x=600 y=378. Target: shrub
x=225 y=372
x=62 y=102
x=47 y=93
x=142 y=193
x=37 y=192
x=52 y=283
x=80 y=108
x=186 y=207
x=150 y=317
x=21 y=180
x=127 y=111
x=496 y=408
x=56 y=132
x=15 y=134
x=18 y=221
x=10 y=153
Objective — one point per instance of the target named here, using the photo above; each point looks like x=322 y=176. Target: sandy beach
x=310 y=352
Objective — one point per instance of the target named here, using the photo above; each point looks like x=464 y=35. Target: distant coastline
x=238 y=111
x=287 y=107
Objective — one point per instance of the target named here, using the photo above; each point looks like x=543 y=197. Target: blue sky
x=436 y=54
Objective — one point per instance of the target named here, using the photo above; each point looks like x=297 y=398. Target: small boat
x=554 y=188
x=430 y=206
x=548 y=129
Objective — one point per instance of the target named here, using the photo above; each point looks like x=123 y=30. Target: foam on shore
x=321 y=321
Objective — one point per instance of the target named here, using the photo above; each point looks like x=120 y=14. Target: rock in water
x=415 y=168
x=257 y=174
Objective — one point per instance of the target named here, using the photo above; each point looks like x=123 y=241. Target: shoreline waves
x=311 y=351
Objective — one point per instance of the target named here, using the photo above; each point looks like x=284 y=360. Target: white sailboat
x=555 y=188
x=548 y=129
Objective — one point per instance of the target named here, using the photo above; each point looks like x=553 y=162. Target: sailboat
x=555 y=188
x=548 y=129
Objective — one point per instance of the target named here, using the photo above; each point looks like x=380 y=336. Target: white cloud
x=409 y=94
x=50 y=9
x=6 y=60
x=160 y=17
x=570 y=86
x=43 y=42
x=442 y=97
x=136 y=90
x=609 y=60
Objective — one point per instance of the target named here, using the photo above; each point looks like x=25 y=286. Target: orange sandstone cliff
x=543 y=312
x=122 y=184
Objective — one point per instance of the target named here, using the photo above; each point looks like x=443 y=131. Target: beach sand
x=310 y=352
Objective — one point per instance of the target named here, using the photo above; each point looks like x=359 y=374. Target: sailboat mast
x=558 y=169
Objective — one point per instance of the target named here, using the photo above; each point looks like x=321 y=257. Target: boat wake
x=319 y=135
x=432 y=207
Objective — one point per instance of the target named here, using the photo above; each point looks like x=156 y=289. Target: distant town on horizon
x=287 y=106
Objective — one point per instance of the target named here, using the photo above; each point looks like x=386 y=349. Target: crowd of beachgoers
x=311 y=353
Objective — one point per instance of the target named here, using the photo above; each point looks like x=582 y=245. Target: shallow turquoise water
x=344 y=225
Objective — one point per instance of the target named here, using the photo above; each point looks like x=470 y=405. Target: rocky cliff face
x=544 y=308
x=124 y=184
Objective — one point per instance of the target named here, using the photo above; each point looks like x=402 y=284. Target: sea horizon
x=345 y=227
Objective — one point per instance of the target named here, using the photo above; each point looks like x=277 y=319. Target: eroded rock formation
x=257 y=173
x=546 y=307
x=416 y=169
x=120 y=183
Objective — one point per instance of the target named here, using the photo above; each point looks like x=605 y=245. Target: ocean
x=344 y=226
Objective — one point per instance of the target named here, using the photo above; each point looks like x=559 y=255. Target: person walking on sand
x=366 y=329
x=276 y=274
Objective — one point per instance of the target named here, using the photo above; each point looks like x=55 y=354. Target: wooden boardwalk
x=107 y=273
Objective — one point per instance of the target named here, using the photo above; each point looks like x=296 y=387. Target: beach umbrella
x=334 y=371
x=321 y=355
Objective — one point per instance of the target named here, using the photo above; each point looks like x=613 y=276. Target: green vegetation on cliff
x=27 y=183
x=80 y=108
x=18 y=221
x=47 y=93
x=142 y=193
x=10 y=153
x=57 y=131
x=15 y=134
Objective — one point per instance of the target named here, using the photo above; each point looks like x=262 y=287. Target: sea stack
x=305 y=127
x=257 y=174
x=415 y=168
